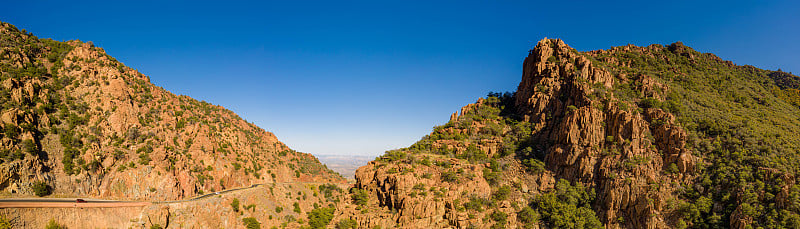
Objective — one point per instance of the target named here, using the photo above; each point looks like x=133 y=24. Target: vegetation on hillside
x=743 y=122
x=76 y=111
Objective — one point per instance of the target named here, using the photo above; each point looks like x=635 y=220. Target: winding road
x=98 y=203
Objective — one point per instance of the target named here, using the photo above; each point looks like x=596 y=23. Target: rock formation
x=86 y=125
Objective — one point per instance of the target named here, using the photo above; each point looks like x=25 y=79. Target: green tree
x=251 y=223
x=501 y=193
x=347 y=224
x=235 y=204
x=40 y=188
x=359 y=196
x=568 y=206
x=528 y=217
x=320 y=217
x=297 y=207
x=30 y=147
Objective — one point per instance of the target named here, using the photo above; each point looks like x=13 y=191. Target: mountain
x=77 y=122
x=631 y=137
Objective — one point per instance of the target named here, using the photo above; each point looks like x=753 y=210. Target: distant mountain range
x=345 y=165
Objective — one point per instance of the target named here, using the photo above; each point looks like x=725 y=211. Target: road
x=98 y=203
x=66 y=203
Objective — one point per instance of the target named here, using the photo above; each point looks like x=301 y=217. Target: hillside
x=78 y=123
x=630 y=137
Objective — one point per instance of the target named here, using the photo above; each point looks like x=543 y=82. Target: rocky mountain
x=630 y=137
x=77 y=122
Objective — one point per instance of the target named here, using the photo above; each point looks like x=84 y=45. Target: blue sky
x=362 y=77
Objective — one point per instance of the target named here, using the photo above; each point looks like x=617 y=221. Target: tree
x=235 y=204
x=501 y=193
x=30 y=147
x=251 y=223
x=359 y=196
x=40 y=188
x=320 y=217
x=528 y=217
x=297 y=207
x=347 y=224
x=568 y=206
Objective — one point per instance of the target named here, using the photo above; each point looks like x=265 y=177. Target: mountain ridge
x=660 y=136
x=632 y=137
x=131 y=129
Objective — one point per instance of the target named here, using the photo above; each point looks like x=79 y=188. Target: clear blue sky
x=361 y=77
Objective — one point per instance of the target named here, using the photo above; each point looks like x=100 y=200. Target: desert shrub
x=449 y=176
x=235 y=204
x=30 y=147
x=528 y=217
x=54 y=225
x=476 y=203
x=534 y=165
x=501 y=193
x=347 y=224
x=40 y=188
x=500 y=218
x=568 y=206
x=320 y=217
x=328 y=190
x=251 y=223
x=391 y=156
x=359 y=196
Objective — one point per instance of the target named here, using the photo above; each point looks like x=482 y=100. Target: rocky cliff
x=77 y=122
x=630 y=137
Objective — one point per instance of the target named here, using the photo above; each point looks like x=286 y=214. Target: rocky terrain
x=78 y=123
x=281 y=204
x=631 y=137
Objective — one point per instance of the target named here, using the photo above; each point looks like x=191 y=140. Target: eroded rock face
x=603 y=142
x=634 y=157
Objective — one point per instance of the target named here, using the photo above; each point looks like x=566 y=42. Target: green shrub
x=449 y=176
x=320 y=217
x=40 y=188
x=297 y=207
x=54 y=225
x=235 y=204
x=359 y=196
x=534 y=165
x=30 y=147
x=391 y=156
x=501 y=193
x=347 y=224
x=251 y=223
x=568 y=206
x=500 y=218
x=528 y=217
